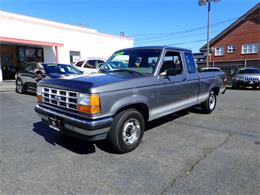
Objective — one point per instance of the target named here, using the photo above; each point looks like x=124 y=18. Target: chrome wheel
x=131 y=131
x=212 y=101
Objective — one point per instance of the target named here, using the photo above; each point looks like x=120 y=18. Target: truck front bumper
x=80 y=128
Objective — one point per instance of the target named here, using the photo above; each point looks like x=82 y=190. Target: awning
x=29 y=42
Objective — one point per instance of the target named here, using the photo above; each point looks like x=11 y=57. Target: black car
x=32 y=73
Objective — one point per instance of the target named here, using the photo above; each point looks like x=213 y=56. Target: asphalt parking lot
x=185 y=153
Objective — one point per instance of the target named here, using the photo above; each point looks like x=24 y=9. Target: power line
x=178 y=37
x=158 y=36
x=184 y=31
x=201 y=40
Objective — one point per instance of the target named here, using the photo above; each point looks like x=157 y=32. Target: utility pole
x=202 y=3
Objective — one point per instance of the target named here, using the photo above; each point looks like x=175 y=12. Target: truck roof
x=158 y=47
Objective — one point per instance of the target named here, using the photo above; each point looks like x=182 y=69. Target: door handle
x=184 y=79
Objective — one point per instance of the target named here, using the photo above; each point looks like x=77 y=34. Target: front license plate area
x=54 y=123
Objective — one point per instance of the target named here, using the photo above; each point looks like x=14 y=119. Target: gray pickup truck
x=135 y=86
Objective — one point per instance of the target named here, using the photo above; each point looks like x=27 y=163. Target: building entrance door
x=8 y=61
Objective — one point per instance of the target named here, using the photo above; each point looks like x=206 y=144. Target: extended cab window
x=172 y=64
x=190 y=63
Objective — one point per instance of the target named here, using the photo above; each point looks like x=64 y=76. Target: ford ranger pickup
x=133 y=87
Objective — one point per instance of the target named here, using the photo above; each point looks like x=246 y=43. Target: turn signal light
x=39 y=98
x=89 y=104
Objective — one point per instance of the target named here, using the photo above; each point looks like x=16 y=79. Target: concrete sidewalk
x=7 y=86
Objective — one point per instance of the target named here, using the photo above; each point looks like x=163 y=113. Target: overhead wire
x=168 y=36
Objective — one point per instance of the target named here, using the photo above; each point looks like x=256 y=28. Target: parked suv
x=32 y=73
x=90 y=65
x=246 y=77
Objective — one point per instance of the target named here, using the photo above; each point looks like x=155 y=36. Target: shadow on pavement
x=158 y=122
x=54 y=137
x=81 y=146
x=243 y=89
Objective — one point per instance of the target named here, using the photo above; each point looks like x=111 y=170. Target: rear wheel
x=127 y=131
x=209 y=105
x=19 y=86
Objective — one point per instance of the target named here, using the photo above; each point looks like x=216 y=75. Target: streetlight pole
x=201 y=3
x=208 y=34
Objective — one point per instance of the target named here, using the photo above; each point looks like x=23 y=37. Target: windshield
x=249 y=71
x=141 y=61
x=60 y=69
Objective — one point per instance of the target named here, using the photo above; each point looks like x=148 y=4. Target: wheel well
x=216 y=90
x=142 y=108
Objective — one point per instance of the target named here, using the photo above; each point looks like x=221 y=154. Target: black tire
x=127 y=123
x=234 y=85
x=19 y=86
x=209 y=105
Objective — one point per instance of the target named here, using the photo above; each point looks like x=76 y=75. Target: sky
x=180 y=23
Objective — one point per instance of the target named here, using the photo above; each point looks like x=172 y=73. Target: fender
x=128 y=101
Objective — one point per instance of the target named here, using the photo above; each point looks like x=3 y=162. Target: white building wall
x=89 y=42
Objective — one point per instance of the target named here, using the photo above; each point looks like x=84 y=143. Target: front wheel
x=127 y=130
x=209 y=105
x=19 y=86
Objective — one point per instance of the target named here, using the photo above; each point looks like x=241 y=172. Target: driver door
x=172 y=95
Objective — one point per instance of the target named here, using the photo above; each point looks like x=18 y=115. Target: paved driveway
x=185 y=153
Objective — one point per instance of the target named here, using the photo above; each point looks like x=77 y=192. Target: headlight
x=39 y=93
x=83 y=99
x=89 y=103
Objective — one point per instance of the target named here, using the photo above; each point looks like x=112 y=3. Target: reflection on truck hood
x=58 y=75
x=83 y=83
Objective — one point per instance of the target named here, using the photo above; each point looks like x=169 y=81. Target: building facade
x=26 y=39
x=238 y=45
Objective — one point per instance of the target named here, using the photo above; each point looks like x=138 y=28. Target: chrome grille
x=251 y=78
x=60 y=98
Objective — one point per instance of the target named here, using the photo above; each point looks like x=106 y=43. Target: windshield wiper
x=125 y=70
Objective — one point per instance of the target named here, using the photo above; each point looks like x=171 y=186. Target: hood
x=88 y=83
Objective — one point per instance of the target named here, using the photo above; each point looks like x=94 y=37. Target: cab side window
x=192 y=67
x=90 y=64
x=172 y=64
x=79 y=64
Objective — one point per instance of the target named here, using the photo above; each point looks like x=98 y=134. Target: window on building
x=219 y=51
x=190 y=63
x=231 y=49
x=250 y=48
x=74 y=56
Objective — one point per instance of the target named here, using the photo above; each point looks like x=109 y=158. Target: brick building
x=238 y=45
